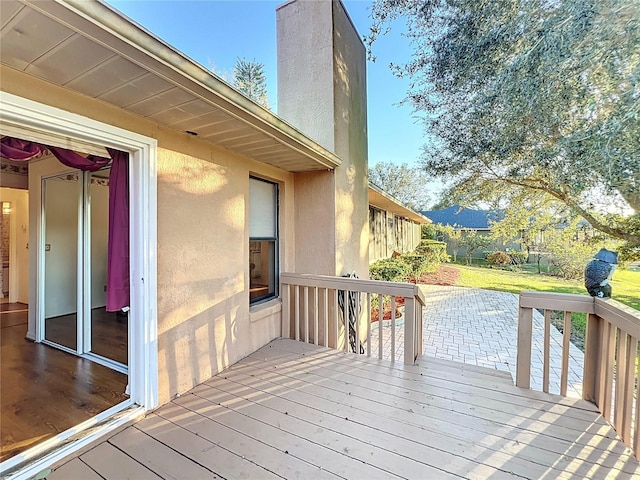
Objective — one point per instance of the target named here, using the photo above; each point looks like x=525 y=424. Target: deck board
x=293 y=410
x=109 y=462
x=401 y=420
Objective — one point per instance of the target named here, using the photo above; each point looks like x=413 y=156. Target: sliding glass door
x=75 y=238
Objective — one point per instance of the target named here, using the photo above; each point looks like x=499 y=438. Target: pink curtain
x=91 y=163
x=19 y=150
x=118 y=290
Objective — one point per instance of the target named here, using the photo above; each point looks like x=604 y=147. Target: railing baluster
x=296 y=308
x=345 y=319
x=547 y=347
x=315 y=315
x=380 y=317
x=629 y=388
x=607 y=366
x=420 y=326
x=357 y=325
x=621 y=375
x=566 y=343
x=368 y=324
x=336 y=317
x=326 y=317
x=393 y=328
x=305 y=299
x=636 y=423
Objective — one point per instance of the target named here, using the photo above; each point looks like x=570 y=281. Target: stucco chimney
x=322 y=92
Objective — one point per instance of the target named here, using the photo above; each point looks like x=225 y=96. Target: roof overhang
x=380 y=199
x=90 y=48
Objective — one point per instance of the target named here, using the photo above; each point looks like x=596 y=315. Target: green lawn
x=626 y=283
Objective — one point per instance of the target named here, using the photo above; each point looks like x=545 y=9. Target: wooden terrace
x=296 y=410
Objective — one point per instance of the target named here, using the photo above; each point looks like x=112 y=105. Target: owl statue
x=598 y=273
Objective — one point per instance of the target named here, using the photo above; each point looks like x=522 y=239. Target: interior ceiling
x=56 y=43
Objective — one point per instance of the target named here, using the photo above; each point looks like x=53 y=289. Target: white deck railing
x=611 y=377
x=311 y=312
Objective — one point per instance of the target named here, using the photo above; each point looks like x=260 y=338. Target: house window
x=263 y=240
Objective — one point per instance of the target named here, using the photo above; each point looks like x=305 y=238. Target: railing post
x=592 y=358
x=286 y=311
x=523 y=361
x=409 y=331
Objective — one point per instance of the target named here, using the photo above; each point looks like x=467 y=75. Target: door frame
x=21 y=113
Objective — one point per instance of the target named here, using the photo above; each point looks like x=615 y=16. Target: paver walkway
x=480 y=327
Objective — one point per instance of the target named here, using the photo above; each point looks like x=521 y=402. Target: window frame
x=275 y=240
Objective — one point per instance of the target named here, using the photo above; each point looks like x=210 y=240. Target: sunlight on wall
x=189 y=174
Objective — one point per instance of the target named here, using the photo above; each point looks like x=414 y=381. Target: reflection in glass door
x=76 y=231
x=61 y=195
x=108 y=330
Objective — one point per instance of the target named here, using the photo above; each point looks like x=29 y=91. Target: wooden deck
x=293 y=410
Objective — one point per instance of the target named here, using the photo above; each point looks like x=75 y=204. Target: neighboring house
x=392 y=226
x=469 y=219
x=203 y=198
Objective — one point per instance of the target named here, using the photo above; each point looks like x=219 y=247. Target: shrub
x=518 y=257
x=389 y=269
x=434 y=251
x=569 y=260
x=418 y=265
x=428 y=231
x=499 y=259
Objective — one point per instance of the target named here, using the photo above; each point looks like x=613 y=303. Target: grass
x=625 y=283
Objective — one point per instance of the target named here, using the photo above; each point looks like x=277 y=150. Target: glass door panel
x=108 y=330
x=61 y=212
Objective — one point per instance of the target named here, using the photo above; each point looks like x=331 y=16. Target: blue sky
x=215 y=33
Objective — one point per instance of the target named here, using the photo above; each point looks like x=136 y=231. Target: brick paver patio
x=480 y=327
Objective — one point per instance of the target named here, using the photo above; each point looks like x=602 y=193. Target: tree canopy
x=405 y=183
x=249 y=78
x=529 y=98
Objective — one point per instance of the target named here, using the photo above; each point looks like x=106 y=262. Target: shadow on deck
x=294 y=410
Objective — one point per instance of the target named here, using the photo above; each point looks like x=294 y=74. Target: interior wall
x=19 y=238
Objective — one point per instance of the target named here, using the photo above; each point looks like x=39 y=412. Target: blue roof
x=460 y=217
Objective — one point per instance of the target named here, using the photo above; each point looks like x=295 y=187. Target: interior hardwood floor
x=45 y=391
x=109 y=333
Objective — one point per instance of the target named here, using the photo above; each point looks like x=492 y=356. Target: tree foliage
x=473 y=241
x=453 y=236
x=249 y=78
x=406 y=184
x=529 y=98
